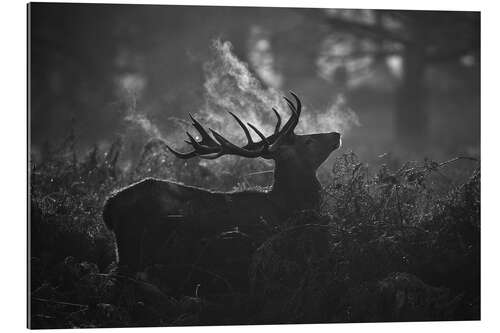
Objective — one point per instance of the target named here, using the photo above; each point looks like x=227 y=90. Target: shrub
x=399 y=244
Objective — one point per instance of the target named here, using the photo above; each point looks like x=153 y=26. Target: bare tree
x=422 y=39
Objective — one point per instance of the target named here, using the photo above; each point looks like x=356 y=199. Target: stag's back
x=155 y=202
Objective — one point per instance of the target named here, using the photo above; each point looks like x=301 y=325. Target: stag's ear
x=285 y=150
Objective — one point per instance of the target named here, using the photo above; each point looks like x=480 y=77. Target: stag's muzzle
x=334 y=137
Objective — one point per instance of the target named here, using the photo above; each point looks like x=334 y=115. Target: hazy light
x=468 y=60
x=262 y=59
x=395 y=64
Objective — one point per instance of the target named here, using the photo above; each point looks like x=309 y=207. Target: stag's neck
x=295 y=190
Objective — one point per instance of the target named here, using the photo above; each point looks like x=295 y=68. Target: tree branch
x=451 y=53
x=366 y=30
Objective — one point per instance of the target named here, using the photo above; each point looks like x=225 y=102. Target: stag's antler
x=212 y=148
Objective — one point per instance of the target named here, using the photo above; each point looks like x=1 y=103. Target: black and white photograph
x=241 y=165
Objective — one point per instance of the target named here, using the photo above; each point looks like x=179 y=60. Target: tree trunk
x=411 y=119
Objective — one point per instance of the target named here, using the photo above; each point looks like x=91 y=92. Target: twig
x=203 y=270
x=401 y=218
x=259 y=172
x=458 y=158
x=58 y=302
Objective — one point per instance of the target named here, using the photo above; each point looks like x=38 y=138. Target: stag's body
x=145 y=214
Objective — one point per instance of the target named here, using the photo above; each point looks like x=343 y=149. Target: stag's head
x=306 y=152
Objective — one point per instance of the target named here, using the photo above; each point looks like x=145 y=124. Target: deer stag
x=144 y=215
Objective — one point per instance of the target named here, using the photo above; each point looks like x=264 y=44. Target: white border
x=13 y=162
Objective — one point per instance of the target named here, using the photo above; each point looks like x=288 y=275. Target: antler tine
x=207 y=145
x=292 y=121
x=278 y=124
x=259 y=133
x=290 y=105
x=182 y=155
x=222 y=140
x=245 y=129
x=199 y=148
x=212 y=157
x=228 y=147
x=205 y=137
x=299 y=104
x=290 y=124
x=191 y=141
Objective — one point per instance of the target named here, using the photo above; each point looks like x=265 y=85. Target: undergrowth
x=386 y=245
